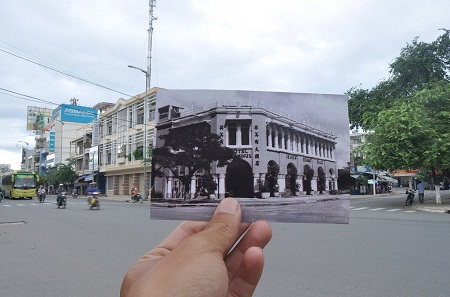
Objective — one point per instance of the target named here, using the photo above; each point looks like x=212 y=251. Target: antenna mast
x=151 y=4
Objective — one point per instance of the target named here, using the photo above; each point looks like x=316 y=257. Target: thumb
x=223 y=230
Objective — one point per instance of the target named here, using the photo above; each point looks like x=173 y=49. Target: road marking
x=396 y=209
x=20 y=204
x=375 y=209
x=34 y=204
x=13 y=223
x=360 y=208
x=7 y=205
x=410 y=211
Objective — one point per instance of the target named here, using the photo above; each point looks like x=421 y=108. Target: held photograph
x=283 y=156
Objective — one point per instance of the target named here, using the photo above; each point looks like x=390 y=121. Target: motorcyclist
x=41 y=191
x=74 y=193
x=91 y=190
x=135 y=194
x=59 y=191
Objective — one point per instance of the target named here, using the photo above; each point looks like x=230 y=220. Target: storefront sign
x=243 y=153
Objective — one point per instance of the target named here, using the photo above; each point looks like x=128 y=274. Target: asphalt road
x=82 y=252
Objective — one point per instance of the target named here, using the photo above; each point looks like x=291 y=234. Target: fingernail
x=228 y=205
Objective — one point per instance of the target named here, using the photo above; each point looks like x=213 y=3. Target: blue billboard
x=78 y=114
x=51 y=143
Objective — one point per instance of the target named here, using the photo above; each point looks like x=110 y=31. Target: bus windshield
x=24 y=181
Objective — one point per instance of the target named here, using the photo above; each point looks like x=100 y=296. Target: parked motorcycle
x=61 y=201
x=41 y=197
x=410 y=197
x=93 y=200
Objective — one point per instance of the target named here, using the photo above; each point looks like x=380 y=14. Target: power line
x=61 y=72
x=31 y=98
x=121 y=122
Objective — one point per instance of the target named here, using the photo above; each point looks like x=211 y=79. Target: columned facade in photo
x=297 y=157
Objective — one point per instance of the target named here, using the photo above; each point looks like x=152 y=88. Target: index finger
x=184 y=230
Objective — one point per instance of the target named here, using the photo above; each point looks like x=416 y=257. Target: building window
x=140 y=119
x=151 y=115
x=232 y=129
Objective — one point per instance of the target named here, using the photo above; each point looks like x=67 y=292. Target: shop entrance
x=239 y=179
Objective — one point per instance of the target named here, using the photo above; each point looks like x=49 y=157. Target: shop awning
x=355 y=176
x=388 y=179
x=81 y=178
x=89 y=177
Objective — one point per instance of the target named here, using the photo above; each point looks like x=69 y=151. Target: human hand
x=200 y=259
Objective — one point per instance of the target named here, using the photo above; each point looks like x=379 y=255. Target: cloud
x=305 y=46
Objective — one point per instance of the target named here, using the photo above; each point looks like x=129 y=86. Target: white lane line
x=396 y=209
x=34 y=203
x=410 y=211
x=7 y=205
x=20 y=204
x=375 y=209
x=360 y=208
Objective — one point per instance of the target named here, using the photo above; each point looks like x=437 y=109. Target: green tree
x=414 y=133
x=407 y=113
x=419 y=64
x=61 y=174
x=191 y=147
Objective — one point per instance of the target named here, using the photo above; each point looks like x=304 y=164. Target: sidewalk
x=429 y=204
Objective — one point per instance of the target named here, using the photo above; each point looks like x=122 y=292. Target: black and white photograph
x=283 y=156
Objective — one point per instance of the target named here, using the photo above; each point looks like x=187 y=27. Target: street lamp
x=147 y=87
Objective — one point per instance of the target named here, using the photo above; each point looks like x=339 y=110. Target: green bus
x=20 y=184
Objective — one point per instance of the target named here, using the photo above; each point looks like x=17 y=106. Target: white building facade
x=300 y=155
x=125 y=136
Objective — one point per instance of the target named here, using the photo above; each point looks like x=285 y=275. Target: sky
x=304 y=46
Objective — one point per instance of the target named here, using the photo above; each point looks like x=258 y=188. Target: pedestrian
x=421 y=191
x=203 y=258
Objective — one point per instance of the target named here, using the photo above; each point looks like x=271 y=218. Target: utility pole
x=151 y=4
x=151 y=18
x=148 y=75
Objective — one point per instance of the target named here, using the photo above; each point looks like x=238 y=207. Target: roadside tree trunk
x=436 y=185
x=438 y=194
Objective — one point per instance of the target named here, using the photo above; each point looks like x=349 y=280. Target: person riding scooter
x=41 y=194
x=74 y=193
x=59 y=191
x=410 y=197
x=93 y=200
x=91 y=190
x=135 y=195
x=60 y=199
